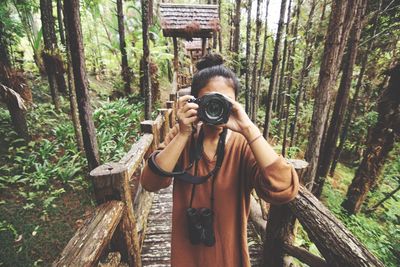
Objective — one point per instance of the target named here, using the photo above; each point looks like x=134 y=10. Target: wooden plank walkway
x=157 y=244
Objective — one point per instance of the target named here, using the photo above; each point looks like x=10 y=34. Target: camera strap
x=195 y=154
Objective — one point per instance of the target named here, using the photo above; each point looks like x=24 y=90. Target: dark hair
x=210 y=66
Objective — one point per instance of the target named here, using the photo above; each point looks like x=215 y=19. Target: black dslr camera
x=214 y=108
x=200 y=226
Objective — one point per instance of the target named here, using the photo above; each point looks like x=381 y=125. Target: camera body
x=214 y=108
x=200 y=226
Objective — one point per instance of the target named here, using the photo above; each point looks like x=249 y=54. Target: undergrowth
x=43 y=183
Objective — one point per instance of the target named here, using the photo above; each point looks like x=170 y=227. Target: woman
x=249 y=162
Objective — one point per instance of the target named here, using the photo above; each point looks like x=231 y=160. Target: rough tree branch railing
x=120 y=220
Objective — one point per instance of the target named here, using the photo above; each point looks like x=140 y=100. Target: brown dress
x=239 y=175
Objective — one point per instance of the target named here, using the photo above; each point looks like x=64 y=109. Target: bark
x=364 y=61
x=282 y=77
x=261 y=70
x=247 y=63
x=274 y=70
x=72 y=98
x=146 y=60
x=290 y=75
x=125 y=70
x=236 y=36
x=253 y=114
x=381 y=139
x=73 y=27
x=60 y=21
x=341 y=102
x=304 y=71
x=51 y=54
x=48 y=37
x=341 y=18
x=338 y=246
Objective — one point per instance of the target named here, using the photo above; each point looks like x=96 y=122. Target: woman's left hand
x=238 y=121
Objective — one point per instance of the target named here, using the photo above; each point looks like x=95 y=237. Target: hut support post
x=203 y=46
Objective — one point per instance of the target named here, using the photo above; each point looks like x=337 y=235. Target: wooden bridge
x=136 y=223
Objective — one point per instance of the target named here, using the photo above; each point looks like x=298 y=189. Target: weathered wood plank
x=88 y=243
x=338 y=246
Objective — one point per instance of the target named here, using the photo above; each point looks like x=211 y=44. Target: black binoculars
x=200 y=226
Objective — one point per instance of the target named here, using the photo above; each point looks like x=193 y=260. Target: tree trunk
x=60 y=21
x=290 y=75
x=46 y=11
x=125 y=70
x=247 y=64
x=304 y=70
x=219 y=33
x=72 y=96
x=340 y=107
x=146 y=61
x=73 y=27
x=380 y=142
x=364 y=61
x=236 y=37
x=282 y=77
x=255 y=65
x=261 y=70
x=274 y=70
x=341 y=18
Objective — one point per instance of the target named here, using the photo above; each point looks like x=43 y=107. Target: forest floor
x=45 y=193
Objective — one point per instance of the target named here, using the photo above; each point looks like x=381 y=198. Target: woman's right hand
x=186 y=115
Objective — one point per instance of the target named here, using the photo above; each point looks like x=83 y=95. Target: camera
x=200 y=226
x=214 y=108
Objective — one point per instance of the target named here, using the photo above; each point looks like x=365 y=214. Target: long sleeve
x=151 y=181
x=277 y=183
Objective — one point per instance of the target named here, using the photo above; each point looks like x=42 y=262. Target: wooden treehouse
x=195 y=23
x=135 y=224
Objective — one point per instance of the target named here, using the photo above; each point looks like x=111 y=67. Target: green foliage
x=376 y=231
x=37 y=177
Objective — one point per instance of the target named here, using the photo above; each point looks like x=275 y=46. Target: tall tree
x=341 y=102
x=73 y=27
x=236 y=36
x=340 y=23
x=253 y=91
x=72 y=97
x=304 y=70
x=60 y=21
x=290 y=68
x=274 y=70
x=263 y=55
x=283 y=74
x=352 y=105
x=248 y=52
x=125 y=70
x=46 y=10
x=146 y=60
x=382 y=137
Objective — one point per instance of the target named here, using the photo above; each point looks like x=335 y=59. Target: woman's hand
x=186 y=115
x=238 y=121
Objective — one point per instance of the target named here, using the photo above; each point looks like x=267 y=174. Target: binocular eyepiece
x=200 y=226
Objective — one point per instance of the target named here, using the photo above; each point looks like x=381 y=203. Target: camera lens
x=214 y=109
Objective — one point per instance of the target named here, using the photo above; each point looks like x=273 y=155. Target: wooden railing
x=119 y=222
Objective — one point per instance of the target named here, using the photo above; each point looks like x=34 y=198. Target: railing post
x=151 y=128
x=165 y=126
x=281 y=228
x=111 y=181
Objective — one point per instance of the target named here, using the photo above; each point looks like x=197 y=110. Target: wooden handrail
x=88 y=243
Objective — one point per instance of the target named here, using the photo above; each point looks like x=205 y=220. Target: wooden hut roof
x=189 y=21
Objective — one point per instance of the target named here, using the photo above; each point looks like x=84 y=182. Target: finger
x=190 y=113
x=183 y=99
x=189 y=106
x=192 y=119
